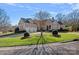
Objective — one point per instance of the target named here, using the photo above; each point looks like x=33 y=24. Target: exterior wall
x=56 y=25
x=21 y=25
x=62 y=26
x=29 y=27
x=37 y=22
x=44 y=24
x=49 y=25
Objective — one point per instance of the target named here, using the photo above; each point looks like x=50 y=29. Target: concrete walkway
x=71 y=48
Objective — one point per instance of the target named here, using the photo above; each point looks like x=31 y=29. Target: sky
x=27 y=10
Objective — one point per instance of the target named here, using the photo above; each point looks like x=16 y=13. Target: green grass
x=16 y=41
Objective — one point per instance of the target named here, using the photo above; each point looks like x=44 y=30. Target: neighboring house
x=34 y=25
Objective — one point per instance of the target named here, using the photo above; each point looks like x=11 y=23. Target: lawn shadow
x=73 y=40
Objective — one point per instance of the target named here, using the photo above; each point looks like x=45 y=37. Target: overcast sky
x=16 y=11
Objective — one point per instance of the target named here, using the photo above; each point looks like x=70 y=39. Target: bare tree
x=72 y=19
x=59 y=16
x=4 y=21
x=41 y=16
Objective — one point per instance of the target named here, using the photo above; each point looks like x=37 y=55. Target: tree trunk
x=41 y=32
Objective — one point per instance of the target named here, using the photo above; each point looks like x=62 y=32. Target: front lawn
x=16 y=41
x=5 y=33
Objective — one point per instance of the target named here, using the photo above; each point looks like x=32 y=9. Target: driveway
x=17 y=34
x=11 y=35
x=71 y=48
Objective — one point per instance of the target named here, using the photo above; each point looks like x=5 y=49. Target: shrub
x=16 y=30
x=26 y=35
x=55 y=33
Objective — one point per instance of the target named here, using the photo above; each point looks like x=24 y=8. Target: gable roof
x=27 y=20
x=60 y=22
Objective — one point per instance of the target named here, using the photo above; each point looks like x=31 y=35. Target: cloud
x=22 y=6
x=76 y=6
x=53 y=13
x=12 y=4
x=28 y=7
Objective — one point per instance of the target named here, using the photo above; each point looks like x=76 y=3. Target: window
x=49 y=26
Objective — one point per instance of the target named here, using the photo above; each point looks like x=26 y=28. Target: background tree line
x=4 y=21
x=70 y=20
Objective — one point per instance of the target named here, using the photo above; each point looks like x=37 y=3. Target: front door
x=47 y=28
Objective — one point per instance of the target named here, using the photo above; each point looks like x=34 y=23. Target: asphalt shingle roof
x=27 y=20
